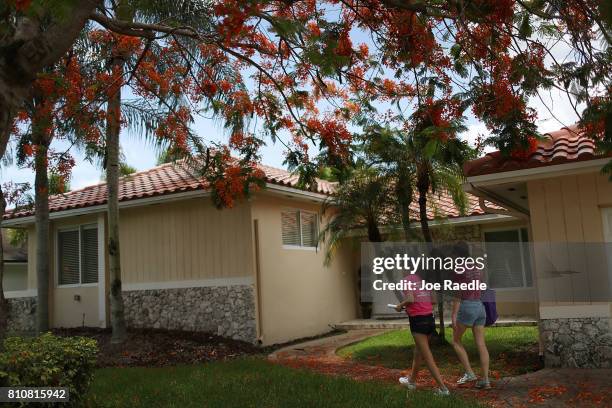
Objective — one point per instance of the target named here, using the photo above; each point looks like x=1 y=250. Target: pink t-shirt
x=467 y=277
x=422 y=298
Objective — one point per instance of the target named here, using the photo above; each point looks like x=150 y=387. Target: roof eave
x=166 y=198
x=548 y=171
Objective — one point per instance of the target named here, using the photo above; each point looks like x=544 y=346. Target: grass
x=248 y=382
x=512 y=350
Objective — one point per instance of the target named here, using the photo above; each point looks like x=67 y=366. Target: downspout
x=257 y=259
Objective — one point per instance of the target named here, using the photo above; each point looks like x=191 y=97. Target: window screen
x=299 y=228
x=291 y=228
x=68 y=254
x=78 y=256
x=89 y=255
x=309 y=229
x=509 y=264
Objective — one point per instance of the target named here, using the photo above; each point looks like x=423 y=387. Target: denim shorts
x=471 y=313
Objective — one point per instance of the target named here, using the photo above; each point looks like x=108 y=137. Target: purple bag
x=488 y=300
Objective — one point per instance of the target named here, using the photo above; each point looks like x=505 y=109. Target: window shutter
x=89 y=255
x=68 y=252
x=309 y=229
x=290 y=228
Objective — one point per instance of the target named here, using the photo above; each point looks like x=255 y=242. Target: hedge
x=50 y=361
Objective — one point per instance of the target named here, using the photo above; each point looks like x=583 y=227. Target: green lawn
x=513 y=350
x=249 y=382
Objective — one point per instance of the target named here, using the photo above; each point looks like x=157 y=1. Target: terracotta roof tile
x=161 y=180
x=174 y=178
x=441 y=205
x=562 y=146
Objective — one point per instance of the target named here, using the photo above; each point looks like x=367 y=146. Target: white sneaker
x=407 y=382
x=467 y=378
x=442 y=392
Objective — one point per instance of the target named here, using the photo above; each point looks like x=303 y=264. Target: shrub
x=49 y=361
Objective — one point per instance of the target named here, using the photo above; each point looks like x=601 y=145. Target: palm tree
x=359 y=203
x=417 y=162
x=363 y=201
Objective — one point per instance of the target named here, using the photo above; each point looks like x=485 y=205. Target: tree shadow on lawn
x=512 y=352
x=250 y=382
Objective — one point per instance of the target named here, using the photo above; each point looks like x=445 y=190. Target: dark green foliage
x=49 y=361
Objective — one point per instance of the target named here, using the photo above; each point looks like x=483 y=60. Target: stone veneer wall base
x=227 y=311
x=22 y=315
x=582 y=343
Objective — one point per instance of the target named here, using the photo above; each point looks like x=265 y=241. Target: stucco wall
x=299 y=295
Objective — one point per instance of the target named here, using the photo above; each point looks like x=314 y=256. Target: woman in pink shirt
x=422 y=325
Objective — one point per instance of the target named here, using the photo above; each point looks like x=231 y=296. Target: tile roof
x=442 y=205
x=562 y=146
x=175 y=178
x=158 y=181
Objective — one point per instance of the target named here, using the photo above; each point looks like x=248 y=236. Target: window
x=508 y=260
x=299 y=228
x=77 y=255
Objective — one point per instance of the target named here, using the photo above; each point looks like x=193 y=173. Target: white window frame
x=78 y=227
x=520 y=241
x=299 y=224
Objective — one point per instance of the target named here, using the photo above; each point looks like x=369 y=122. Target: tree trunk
x=404 y=198
x=423 y=184
x=41 y=211
x=113 y=128
x=4 y=309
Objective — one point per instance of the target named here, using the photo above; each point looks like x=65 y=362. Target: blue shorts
x=471 y=313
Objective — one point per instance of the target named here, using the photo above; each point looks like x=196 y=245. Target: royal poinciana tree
x=490 y=56
x=307 y=69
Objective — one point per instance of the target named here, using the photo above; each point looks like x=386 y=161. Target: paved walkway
x=545 y=388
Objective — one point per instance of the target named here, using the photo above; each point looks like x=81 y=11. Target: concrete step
x=360 y=324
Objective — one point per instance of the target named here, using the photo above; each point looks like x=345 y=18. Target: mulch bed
x=160 y=348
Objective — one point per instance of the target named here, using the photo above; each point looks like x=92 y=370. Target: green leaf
x=525 y=29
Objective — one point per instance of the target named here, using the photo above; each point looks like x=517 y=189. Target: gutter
x=511 y=209
x=546 y=171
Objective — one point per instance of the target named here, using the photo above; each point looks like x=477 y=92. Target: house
x=560 y=190
x=252 y=272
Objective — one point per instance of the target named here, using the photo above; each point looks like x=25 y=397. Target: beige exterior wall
x=179 y=242
x=569 y=209
x=299 y=295
x=32 y=257
x=188 y=240
x=74 y=305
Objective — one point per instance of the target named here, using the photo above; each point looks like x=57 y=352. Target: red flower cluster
x=334 y=135
x=524 y=153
